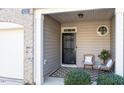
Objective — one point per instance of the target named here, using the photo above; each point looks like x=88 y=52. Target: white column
x=119 y=33
x=38 y=49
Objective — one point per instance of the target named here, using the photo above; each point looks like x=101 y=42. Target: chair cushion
x=109 y=63
x=101 y=66
x=88 y=63
x=88 y=60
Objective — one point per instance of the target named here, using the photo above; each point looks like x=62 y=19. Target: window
x=102 y=30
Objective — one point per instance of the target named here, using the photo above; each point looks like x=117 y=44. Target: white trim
x=35 y=54
x=38 y=49
x=42 y=58
x=60 y=10
x=119 y=32
x=62 y=29
x=64 y=65
x=9 y=25
x=61 y=49
x=34 y=38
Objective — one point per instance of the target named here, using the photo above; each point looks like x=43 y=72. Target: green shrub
x=110 y=79
x=77 y=77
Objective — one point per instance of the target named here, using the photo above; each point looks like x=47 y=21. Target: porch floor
x=62 y=71
x=54 y=81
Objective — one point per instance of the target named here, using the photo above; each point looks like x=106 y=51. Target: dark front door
x=68 y=48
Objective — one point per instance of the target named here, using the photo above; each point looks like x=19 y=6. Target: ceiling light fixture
x=80 y=15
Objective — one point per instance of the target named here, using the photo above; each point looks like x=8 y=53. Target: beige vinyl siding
x=51 y=45
x=113 y=38
x=88 y=41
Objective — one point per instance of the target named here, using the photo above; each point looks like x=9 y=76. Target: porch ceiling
x=88 y=15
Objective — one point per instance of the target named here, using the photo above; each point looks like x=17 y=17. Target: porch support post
x=119 y=41
x=38 y=49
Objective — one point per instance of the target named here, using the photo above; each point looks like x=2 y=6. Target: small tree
x=104 y=55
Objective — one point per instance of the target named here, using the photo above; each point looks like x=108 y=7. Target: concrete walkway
x=54 y=81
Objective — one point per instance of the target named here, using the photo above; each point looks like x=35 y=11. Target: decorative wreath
x=102 y=30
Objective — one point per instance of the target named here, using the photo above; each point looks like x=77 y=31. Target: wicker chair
x=88 y=60
x=108 y=66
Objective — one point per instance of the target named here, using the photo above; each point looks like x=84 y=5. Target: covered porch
x=87 y=40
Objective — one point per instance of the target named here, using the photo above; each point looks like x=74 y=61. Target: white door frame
x=67 y=65
x=38 y=41
x=119 y=37
x=38 y=49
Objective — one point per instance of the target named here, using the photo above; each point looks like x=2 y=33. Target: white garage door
x=11 y=53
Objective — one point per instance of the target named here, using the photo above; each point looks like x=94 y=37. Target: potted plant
x=104 y=55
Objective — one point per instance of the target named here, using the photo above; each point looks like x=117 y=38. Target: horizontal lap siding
x=88 y=41
x=51 y=45
x=113 y=38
